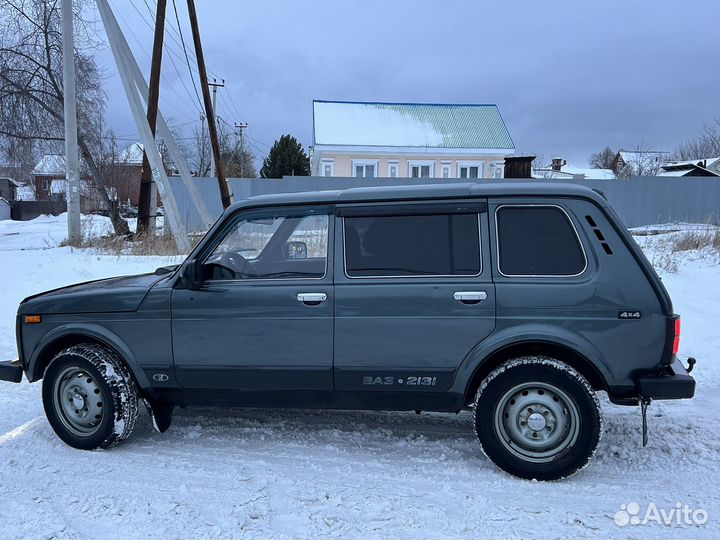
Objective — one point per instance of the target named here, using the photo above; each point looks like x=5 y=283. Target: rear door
x=413 y=293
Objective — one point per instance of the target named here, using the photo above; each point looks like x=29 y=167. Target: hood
x=102 y=296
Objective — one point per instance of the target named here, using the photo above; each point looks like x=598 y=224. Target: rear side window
x=537 y=241
x=412 y=245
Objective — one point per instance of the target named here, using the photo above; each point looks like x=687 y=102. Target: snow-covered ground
x=221 y=473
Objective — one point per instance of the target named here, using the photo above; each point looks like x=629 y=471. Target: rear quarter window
x=537 y=241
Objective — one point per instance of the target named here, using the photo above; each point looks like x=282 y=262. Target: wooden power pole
x=146 y=180
x=225 y=194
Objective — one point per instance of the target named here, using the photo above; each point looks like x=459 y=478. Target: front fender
x=528 y=333
x=95 y=332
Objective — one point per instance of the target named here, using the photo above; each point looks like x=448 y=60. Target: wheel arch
x=534 y=347
x=66 y=336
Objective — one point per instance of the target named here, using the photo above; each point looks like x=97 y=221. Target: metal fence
x=638 y=201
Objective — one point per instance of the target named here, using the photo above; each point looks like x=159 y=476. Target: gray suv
x=520 y=301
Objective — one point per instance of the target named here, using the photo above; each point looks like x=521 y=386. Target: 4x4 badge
x=629 y=315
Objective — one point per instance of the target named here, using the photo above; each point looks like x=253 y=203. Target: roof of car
x=426 y=191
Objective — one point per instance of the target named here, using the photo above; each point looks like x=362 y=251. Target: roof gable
x=50 y=165
x=339 y=123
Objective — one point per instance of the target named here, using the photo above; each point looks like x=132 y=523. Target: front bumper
x=672 y=382
x=11 y=371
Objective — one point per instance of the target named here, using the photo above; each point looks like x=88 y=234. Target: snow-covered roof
x=11 y=180
x=132 y=154
x=341 y=123
x=703 y=162
x=570 y=172
x=633 y=156
x=4 y=201
x=50 y=165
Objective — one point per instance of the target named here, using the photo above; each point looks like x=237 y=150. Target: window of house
x=445 y=169
x=421 y=169
x=470 y=169
x=537 y=241
x=273 y=247
x=327 y=167
x=497 y=170
x=364 y=169
x=412 y=245
x=393 y=169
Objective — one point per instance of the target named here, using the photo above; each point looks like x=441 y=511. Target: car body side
x=575 y=318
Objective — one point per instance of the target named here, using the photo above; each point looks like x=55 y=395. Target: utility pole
x=239 y=127
x=225 y=192
x=215 y=85
x=146 y=180
x=72 y=168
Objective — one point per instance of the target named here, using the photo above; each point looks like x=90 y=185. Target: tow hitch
x=673 y=383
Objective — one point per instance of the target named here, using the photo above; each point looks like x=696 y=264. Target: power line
x=187 y=60
x=170 y=86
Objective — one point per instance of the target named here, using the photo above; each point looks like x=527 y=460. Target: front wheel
x=537 y=418
x=90 y=397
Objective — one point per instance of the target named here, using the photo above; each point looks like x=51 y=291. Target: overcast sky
x=569 y=77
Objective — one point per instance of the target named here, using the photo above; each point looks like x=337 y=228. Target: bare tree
x=602 y=159
x=31 y=85
x=705 y=145
x=642 y=161
x=238 y=160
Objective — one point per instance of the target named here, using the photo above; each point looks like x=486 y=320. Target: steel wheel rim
x=537 y=422
x=78 y=401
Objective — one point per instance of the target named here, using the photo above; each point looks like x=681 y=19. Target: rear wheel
x=537 y=418
x=90 y=397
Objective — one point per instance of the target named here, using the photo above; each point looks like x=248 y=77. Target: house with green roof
x=413 y=140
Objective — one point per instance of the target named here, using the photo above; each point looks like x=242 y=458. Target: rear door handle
x=311 y=299
x=470 y=297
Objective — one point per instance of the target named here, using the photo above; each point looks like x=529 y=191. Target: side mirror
x=192 y=274
x=295 y=250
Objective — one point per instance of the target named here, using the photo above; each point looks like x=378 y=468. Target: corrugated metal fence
x=638 y=201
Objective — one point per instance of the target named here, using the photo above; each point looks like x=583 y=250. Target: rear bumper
x=11 y=371
x=672 y=382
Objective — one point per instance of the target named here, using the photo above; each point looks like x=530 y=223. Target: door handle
x=470 y=297
x=312 y=299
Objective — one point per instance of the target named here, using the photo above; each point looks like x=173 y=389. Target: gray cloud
x=569 y=77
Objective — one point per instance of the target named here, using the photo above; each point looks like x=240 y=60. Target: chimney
x=557 y=164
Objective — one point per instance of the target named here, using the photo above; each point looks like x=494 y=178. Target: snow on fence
x=638 y=201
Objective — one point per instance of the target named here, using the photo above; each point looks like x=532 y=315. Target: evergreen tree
x=286 y=158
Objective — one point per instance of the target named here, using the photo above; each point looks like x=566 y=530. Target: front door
x=413 y=294
x=263 y=318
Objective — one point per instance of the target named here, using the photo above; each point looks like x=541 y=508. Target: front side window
x=537 y=241
x=274 y=247
x=412 y=245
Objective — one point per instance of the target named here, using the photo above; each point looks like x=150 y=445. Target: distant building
x=640 y=162
x=8 y=189
x=692 y=167
x=51 y=167
x=124 y=173
x=367 y=139
x=559 y=169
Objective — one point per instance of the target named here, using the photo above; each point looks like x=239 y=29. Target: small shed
x=4 y=209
